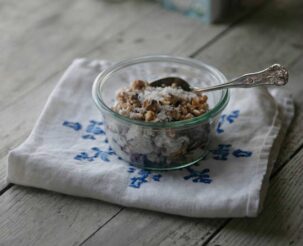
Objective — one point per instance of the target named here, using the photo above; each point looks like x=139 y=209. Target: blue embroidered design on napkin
x=143 y=176
x=93 y=128
x=198 y=176
x=97 y=153
x=223 y=151
x=139 y=176
x=229 y=118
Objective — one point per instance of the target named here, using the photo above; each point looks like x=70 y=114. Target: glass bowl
x=159 y=145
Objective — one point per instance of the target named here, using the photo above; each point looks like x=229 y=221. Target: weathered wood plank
x=3 y=170
x=281 y=223
x=53 y=34
x=34 y=217
x=235 y=53
x=40 y=47
x=138 y=227
x=294 y=137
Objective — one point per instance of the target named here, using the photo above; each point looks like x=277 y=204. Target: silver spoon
x=273 y=75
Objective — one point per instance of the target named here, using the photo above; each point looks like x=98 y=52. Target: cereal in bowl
x=159 y=104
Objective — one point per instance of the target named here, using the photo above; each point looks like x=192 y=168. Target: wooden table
x=39 y=39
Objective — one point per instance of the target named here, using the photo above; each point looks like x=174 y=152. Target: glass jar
x=159 y=145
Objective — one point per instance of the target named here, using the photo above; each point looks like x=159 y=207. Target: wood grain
x=294 y=137
x=3 y=170
x=35 y=217
x=42 y=37
x=40 y=47
x=138 y=227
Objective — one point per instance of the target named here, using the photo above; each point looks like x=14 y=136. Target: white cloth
x=67 y=152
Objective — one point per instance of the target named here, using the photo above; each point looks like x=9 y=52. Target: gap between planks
x=108 y=221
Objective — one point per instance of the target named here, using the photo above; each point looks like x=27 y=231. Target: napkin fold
x=67 y=152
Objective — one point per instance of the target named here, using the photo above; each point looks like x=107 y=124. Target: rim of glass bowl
x=103 y=76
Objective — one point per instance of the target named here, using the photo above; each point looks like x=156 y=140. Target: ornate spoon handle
x=274 y=75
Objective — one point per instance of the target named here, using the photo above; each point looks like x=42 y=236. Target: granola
x=151 y=147
x=159 y=104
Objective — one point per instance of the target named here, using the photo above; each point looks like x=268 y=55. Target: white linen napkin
x=68 y=152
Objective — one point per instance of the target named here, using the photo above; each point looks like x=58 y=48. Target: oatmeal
x=159 y=104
